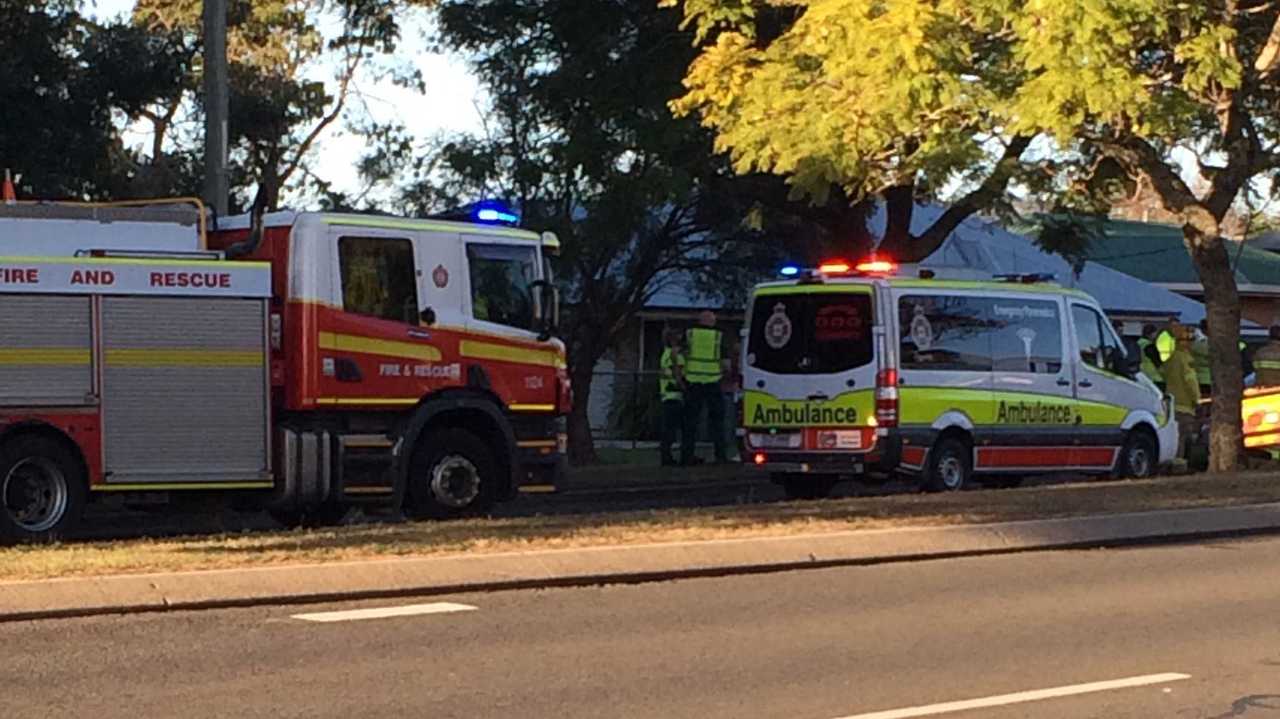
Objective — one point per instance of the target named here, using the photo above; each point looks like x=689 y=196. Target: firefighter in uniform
x=1266 y=361
x=1150 y=355
x=702 y=372
x=671 y=384
x=1182 y=382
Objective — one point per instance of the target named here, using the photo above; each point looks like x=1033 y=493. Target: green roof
x=1156 y=253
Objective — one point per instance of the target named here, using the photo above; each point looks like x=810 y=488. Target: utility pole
x=216 y=92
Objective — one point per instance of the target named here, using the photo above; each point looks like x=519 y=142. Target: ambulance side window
x=379 y=278
x=945 y=333
x=1089 y=336
x=1027 y=336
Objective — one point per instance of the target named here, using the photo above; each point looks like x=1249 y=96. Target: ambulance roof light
x=877 y=267
x=834 y=267
x=789 y=271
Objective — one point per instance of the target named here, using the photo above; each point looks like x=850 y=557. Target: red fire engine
x=317 y=362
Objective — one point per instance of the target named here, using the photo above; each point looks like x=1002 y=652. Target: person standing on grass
x=671 y=386
x=729 y=392
x=704 y=347
x=1266 y=361
x=1182 y=382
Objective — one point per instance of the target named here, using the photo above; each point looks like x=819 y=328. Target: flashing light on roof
x=495 y=213
x=834 y=267
x=789 y=271
x=877 y=267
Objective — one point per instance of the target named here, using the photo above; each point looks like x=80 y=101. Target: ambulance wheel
x=452 y=474
x=1138 y=456
x=950 y=466
x=43 y=490
x=806 y=486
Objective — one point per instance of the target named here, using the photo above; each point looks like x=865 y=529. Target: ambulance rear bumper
x=884 y=457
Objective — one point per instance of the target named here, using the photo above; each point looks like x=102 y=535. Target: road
x=848 y=643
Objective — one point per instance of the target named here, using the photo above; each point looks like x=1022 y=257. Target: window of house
x=379 y=278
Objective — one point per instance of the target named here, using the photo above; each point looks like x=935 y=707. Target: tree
x=62 y=78
x=579 y=136
x=278 y=109
x=876 y=96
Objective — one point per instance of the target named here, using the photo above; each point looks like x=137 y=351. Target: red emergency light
x=877 y=267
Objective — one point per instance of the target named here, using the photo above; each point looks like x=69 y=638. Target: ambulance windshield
x=820 y=333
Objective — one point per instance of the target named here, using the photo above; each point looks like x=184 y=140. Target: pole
x=217 y=101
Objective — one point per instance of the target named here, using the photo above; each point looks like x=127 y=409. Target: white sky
x=450 y=103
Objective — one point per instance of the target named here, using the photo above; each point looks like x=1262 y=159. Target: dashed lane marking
x=1021 y=697
x=351 y=615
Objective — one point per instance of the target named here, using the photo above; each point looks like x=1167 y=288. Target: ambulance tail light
x=887 y=398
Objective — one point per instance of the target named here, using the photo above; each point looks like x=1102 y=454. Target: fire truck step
x=366 y=469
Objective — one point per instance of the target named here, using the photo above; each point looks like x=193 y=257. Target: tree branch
x=931 y=239
x=1268 y=60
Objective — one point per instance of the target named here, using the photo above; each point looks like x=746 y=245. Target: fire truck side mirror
x=546 y=308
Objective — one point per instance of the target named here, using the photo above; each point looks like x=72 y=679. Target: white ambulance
x=851 y=370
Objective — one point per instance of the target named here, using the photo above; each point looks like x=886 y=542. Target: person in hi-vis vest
x=702 y=372
x=671 y=386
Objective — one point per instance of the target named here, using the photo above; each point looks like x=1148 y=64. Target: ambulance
x=854 y=371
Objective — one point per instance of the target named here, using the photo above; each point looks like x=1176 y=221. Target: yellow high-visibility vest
x=668 y=388
x=702 y=364
x=1149 y=368
x=1164 y=345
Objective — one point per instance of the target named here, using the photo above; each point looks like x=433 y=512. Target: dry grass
x=573 y=531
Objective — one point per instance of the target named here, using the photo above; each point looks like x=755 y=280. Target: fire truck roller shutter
x=45 y=355
x=184 y=389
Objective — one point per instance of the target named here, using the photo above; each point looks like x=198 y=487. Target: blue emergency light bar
x=495 y=213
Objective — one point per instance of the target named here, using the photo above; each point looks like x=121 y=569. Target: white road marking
x=1020 y=697
x=410 y=610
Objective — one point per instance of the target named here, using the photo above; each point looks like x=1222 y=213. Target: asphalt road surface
x=1185 y=631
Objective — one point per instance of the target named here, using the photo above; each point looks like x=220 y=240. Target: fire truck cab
x=324 y=362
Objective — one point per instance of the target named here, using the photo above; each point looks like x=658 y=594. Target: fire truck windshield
x=502 y=277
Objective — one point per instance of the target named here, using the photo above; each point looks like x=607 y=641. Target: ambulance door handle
x=1086 y=383
x=819 y=397
x=1063 y=382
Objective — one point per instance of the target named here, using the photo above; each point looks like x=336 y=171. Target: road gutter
x=629 y=564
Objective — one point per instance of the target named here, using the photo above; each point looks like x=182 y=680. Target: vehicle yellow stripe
x=509 y=353
x=183 y=358
x=44 y=356
x=531 y=407
x=157 y=487
x=367 y=401
x=387 y=348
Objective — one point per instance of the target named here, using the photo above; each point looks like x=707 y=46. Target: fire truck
x=302 y=362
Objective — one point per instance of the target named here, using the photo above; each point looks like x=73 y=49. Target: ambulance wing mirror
x=1122 y=363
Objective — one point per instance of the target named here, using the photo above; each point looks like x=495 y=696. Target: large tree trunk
x=582 y=448
x=1222 y=304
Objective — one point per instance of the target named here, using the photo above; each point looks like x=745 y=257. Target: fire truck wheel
x=453 y=474
x=806 y=486
x=950 y=466
x=42 y=489
x=1138 y=456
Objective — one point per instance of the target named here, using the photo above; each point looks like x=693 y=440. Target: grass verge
x=589 y=530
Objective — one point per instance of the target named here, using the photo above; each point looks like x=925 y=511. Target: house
x=1155 y=253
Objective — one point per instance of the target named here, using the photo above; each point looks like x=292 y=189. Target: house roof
x=1156 y=253
x=978 y=248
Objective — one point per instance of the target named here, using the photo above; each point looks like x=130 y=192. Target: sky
x=450 y=104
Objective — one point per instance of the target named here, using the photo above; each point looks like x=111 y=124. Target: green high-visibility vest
x=668 y=388
x=702 y=364
x=1149 y=368
x=1165 y=344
